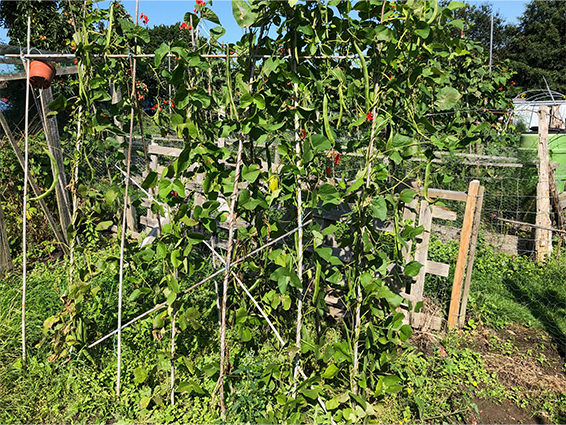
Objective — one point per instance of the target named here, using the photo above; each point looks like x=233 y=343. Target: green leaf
x=160 y=53
x=379 y=208
x=456 y=5
x=176 y=258
x=245 y=334
x=407 y=196
x=209 y=15
x=140 y=375
x=164 y=188
x=243 y=14
x=217 y=32
x=179 y=187
x=423 y=30
x=447 y=98
x=413 y=268
x=251 y=173
x=332 y=404
x=310 y=393
x=405 y=332
x=144 y=402
x=330 y=371
x=184 y=386
x=58 y=104
x=104 y=225
x=320 y=143
x=158 y=322
x=150 y=181
x=325 y=253
x=246 y=100
x=259 y=101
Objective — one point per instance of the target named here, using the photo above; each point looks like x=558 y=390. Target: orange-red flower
x=369 y=116
x=183 y=26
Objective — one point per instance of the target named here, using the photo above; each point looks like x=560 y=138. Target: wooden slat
x=471 y=257
x=445 y=194
x=421 y=250
x=437 y=269
x=163 y=150
x=463 y=253
x=149 y=222
x=443 y=213
x=22 y=75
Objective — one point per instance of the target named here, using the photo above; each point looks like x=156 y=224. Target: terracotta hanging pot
x=41 y=74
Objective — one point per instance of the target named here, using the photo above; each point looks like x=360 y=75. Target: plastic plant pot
x=41 y=74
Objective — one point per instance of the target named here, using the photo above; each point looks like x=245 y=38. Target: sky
x=168 y=12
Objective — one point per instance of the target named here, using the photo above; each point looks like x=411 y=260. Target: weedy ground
x=506 y=366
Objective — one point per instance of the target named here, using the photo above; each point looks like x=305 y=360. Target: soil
x=524 y=359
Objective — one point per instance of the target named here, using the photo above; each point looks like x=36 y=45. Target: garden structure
x=302 y=188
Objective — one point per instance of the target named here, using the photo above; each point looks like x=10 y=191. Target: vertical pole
x=75 y=183
x=169 y=69
x=491 y=43
x=24 y=224
x=471 y=257
x=357 y=323
x=543 y=237
x=300 y=231
x=124 y=217
x=465 y=236
x=228 y=262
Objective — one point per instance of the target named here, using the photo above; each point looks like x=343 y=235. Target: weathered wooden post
x=465 y=237
x=54 y=143
x=6 y=264
x=543 y=236
x=471 y=257
x=52 y=223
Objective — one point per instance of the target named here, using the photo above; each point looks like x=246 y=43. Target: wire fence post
x=543 y=237
x=24 y=218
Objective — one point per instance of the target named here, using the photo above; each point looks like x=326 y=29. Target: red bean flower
x=183 y=26
x=303 y=133
x=200 y=2
x=369 y=116
x=328 y=171
x=337 y=158
x=144 y=18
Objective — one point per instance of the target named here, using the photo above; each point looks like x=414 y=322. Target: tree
x=51 y=23
x=537 y=46
x=477 y=25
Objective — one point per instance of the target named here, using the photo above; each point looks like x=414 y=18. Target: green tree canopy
x=537 y=46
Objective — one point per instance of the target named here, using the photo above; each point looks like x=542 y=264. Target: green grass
x=509 y=289
x=505 y=291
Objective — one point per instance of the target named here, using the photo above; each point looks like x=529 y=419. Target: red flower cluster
x=303 y=133
x=369 y=116
x=337 y=157
x=328 y=171
x=184 y=26
x=144 y=18
x=200 y=2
